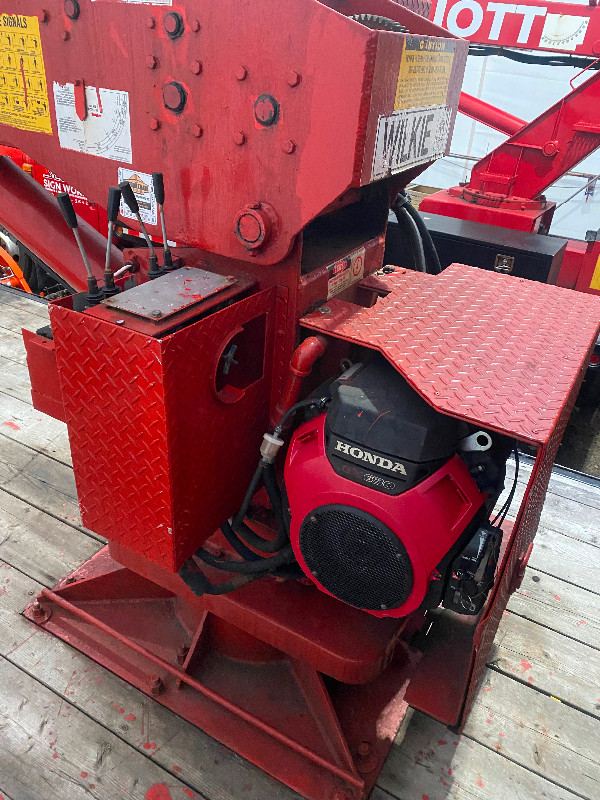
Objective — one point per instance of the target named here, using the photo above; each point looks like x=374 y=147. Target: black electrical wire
x=406 y=221
x=433 y=260
x=318 y=402
x=264 y=566
x=200 y=585
x=501 y=515
x=240 y=548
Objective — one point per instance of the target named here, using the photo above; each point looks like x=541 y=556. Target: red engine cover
x=428 y=519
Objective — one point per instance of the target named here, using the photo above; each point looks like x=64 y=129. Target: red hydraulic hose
x=32 y=216
x=301 y=366
x=490 y=115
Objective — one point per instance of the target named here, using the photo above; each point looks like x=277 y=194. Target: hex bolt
x=289 y=146
x=182 y=654
x=196 y=67
x=45 y=16
x=197 y=131
x=154 y=124
x=66 y=36
x=156 y=685
x=151 y=62
x=195 y=26
x=150 y=22
x=156 y=313
x=324 y=310
x=37 y=610
x=239 y=137
x=293 y=78
x=241 y=73
x=364 y=749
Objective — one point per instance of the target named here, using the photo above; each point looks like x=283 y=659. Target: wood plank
x=560 y=485
x=206 y=766
x=11 y=345
x=13 y=318
x=569 y=559
x=14 y=380
x=533 y=730
x=39 y=480
x=559 y=666
x=39 y=545
x=434 y=764
x=20 y=421
x=23 y=301
x=558 y=605
x=50 y=750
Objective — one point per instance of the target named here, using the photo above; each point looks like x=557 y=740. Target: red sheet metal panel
x=161 y=457
x=496 y=350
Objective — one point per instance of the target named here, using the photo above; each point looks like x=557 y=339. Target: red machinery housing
x=182 y=390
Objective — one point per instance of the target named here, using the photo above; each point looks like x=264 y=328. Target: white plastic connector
x=270 y=447
x=476 y=442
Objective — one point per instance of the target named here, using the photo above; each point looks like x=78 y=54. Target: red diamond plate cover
x=499 y=351
x=160 y=461
x=503 y=352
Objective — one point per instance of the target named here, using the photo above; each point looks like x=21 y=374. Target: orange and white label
x=345 y=272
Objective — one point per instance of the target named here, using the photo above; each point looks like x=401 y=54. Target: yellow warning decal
x=23 y=93
x=595 y=284
x=425 y=70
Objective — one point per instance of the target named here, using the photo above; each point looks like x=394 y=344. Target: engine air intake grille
x=356 y=557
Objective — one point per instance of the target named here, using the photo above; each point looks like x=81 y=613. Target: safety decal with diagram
x=23 y=92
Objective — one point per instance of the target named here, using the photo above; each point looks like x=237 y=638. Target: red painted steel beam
x=489 y=115
x=32 y=215
x=541 y=152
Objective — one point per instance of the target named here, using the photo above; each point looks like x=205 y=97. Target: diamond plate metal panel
x=496 y=350
x=160 y=462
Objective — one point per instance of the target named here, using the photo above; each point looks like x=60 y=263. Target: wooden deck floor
x=69 y=729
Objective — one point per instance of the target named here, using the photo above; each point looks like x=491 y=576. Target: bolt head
x=156 y=685
x=293 y=78
x=156 y=313
x=324 y=310
x=239 y=137
x=150 y=22
x=151 y=62
x=66 y=36
x=154 y=124
x=364 y=749
x=71 y=8
x=197 y=131
x=196 y=67
x=289 y=146
x=195 y=26
x=45 y=15
x=241 y=73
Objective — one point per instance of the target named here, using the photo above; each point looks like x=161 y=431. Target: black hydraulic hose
x=262 y=567
x=410 y=226
x=251 y=537
x=240 y=548
x=435 y=265
x=200 y=585
x=249 y=494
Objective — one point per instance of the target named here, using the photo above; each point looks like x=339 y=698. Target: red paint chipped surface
x=13 y=425
x=556 y=597
x=480 y=783
x=442 y=741
x=54 y=755
x=176 y=768
x=530 y=679
x=425 y=797
x=525 y=664
x=130 y=717
x=189 y=792
x=501 y=734
x=84 y=774
x=449 y=772
x=149 y=745
x=158 y=791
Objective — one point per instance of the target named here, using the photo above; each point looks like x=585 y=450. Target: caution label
x=345 y=272
x=23 y=93
x=143 y=189
x=425 y=70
